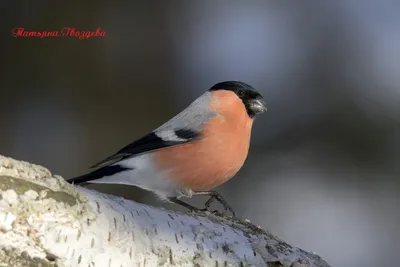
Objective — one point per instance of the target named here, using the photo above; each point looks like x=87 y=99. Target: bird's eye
x=240 y=93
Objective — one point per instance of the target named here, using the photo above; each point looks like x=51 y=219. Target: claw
x=216 y=196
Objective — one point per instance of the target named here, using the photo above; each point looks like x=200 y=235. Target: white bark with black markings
x=44 y=220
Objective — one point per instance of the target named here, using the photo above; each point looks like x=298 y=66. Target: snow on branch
x=45 y=221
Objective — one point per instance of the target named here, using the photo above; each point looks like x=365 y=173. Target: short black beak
x=258 y=105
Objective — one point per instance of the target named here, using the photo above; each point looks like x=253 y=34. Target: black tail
x=97 y=174
x=81 y=179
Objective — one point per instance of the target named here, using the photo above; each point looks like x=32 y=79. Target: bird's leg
x=184 y=204
x=215 y=196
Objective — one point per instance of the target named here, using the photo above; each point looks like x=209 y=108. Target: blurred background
x=323 y=170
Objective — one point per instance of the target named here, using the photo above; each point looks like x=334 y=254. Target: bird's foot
x=186 y=205
x=216 y=196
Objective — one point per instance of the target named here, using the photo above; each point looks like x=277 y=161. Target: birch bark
x=45 y=221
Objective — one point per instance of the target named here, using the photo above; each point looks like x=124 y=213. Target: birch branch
x=45 y=221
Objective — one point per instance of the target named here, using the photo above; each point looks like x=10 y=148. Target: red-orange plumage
x=211 y=161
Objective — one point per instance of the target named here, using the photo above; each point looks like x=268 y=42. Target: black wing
x=150 y=143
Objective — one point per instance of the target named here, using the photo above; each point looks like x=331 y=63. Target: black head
x=252 y=100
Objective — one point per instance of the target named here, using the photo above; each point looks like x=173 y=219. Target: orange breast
x=211 y=161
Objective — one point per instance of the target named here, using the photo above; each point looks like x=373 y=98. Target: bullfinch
x=200 y=148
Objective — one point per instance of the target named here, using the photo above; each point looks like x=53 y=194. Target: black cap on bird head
x=252 y=99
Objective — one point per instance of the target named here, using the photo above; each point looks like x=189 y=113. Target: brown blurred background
x=323 y=170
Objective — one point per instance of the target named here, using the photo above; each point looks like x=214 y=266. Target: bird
x=197 y=150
